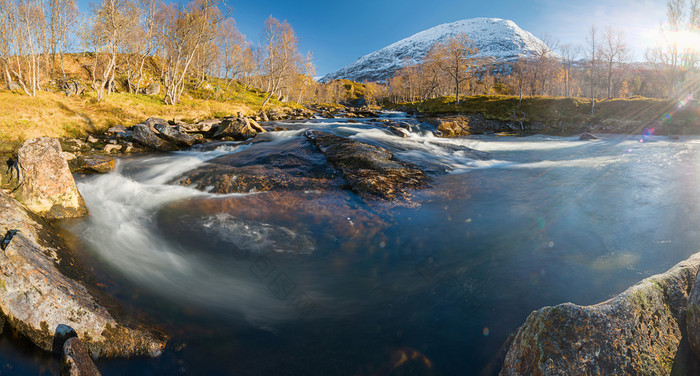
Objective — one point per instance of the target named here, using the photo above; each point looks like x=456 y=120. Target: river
x=326 y=283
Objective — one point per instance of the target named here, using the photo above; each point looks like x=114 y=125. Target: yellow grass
x=55 y=115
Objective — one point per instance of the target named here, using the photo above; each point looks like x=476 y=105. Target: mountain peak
x=495 y=38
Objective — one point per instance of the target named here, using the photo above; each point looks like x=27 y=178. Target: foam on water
x=121 y=231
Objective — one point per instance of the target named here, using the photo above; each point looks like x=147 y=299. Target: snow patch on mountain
x=498 y=39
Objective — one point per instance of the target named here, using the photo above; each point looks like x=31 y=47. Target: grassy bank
x=557 y=112
x=55 y=115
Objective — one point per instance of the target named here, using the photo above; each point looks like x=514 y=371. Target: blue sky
x=339 y=32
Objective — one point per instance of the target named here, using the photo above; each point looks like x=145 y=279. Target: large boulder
x=457 y=126
x=237 y=128
x=173 y=135
x=38 y=299
x=47 y=187
x=146 y=137
x=638 y=332
x=693 y=318
x=370 y=171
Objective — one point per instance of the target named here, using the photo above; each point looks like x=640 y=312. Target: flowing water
x=323 y=283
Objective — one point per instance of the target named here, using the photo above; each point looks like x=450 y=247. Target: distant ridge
x=501 y=40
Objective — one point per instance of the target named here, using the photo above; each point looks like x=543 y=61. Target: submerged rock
x=588 y=136
x=292 y=165
x=638 y=332
x=369 y=170
x=46 y=186
x=36 y=297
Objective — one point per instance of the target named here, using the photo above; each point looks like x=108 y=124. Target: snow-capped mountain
x=501 y=40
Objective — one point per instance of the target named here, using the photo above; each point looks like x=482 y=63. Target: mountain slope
x=498 y=39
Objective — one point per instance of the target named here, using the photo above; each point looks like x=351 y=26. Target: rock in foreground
x=37 y=298
x=47 y=187
x=638 y=332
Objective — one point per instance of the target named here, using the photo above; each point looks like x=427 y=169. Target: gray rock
x=73 y=88
x=76 y=361
x=116 y=129
x=48 y=188
x=146 y=137
x=152 y=89
x=175 y=136
x=638 y=332
x=92 y=139
x=588 y=136
x=204 y=126
x=151 y=123
x=36 y=297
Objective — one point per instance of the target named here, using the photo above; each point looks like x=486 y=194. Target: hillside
x=52 y=113
x=497 y=39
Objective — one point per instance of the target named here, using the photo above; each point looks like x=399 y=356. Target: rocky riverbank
x=44 y=292
x=646 y=330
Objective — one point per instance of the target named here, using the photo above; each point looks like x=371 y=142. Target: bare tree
x=592 y=54
x=614 y=52
x=569 y=55
x=112 y=23
x=281 y=55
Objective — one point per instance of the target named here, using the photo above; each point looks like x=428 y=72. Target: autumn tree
x=112 y=23
x=185 y=31
x=569 y=54
x=457 y=59
x=281 y=55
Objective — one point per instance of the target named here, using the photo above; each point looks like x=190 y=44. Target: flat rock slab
x=289 y=166
x=638 y=332
x=370 y=171
x=36 y=298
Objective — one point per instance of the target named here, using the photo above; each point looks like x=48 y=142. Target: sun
x=685 y=40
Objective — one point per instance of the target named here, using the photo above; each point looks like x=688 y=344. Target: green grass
x=556 y=110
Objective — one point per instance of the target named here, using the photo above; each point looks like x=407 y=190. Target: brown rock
x=93 y=164
x=47 y=187
x=238 y=129
x=638 y=332
x=293 y=165
x=369 y=170
x=76 y=360
x=36 y=297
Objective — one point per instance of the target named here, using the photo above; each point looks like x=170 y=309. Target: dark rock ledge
x=642 y=331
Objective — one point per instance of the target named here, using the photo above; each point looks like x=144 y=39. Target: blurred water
x=312 y=283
